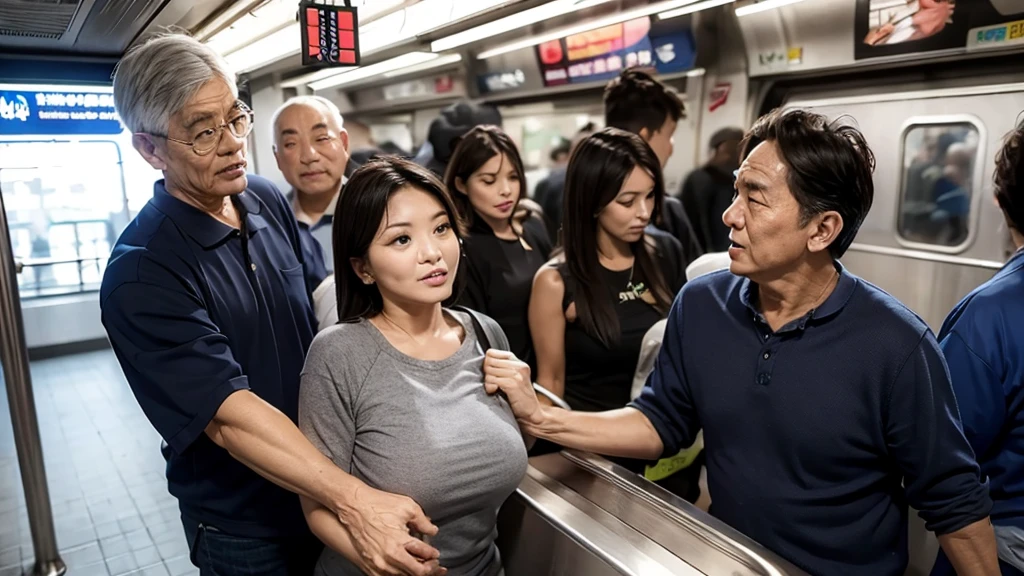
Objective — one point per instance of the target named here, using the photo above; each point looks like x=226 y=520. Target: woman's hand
x=505 y=373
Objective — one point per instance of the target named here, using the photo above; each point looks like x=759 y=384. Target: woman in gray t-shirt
x=394 y=393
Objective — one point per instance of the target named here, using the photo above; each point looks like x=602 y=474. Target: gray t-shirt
x=424 y=429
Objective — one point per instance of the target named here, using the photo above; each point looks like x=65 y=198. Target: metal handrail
x=709 y=529
x=551 y=396
x=599 y=538
x=80 y=288
x=14 y=358
x=33 y=262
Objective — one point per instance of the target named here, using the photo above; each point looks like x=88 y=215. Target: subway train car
x=933 y=101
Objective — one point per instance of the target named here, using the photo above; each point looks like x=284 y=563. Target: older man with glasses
x=207 y=309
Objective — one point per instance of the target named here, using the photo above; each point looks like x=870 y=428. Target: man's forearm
x=972 y=549
x=625 y=432
x=326 y=526
x=264 y=439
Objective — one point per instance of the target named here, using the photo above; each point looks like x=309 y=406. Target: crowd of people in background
x=324 y=363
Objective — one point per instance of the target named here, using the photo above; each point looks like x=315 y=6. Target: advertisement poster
x=894 y=27
x=57 y=113
x=599 y=55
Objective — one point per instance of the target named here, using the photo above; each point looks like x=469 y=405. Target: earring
x=368 y=280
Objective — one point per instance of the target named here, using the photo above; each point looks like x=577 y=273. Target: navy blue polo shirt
x=197 y=310
x=983 y=341
x=817 y=435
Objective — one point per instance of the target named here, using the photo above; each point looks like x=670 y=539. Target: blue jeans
x=217 y=553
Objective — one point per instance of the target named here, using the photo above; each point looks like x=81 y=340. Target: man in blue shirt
x=311 y=148
x=983 y=341
x=207 y=309
x=825 y=403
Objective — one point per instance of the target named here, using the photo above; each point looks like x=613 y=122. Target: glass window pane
x=938 y=175
x=65 y=203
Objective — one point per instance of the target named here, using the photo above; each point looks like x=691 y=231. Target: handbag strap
x=488 y=332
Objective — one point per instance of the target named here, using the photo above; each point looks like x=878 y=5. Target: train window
x=939 y=162
x=65 y=204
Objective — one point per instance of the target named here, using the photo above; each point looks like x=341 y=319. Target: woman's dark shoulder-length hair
x=360 y=210
x=475 y=149
x=597 y=169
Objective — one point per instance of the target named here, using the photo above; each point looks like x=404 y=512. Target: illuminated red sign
x=330 y=35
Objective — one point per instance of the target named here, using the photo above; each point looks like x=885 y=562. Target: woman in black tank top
x=592 y=305
x=506 y=244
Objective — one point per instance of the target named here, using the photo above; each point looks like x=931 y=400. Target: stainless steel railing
x=14 y=359
x=577 y=514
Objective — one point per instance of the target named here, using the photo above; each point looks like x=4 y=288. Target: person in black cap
x=707 y=191
x=446 y=130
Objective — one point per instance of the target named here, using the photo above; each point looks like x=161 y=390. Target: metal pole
x=14 y=359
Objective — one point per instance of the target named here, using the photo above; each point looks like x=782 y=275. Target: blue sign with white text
x=28 y=113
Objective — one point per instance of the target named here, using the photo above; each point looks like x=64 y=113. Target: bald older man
x=311 y=148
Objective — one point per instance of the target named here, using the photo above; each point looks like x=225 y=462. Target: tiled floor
x=112 y=512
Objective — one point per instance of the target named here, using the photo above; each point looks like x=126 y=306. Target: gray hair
x=311 y=100
x=156 y=79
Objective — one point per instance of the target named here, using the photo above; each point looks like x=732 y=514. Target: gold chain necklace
x=828 y=284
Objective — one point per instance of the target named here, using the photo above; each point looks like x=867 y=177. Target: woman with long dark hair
x=505 y=246
x=591 y=305
x=395 y=391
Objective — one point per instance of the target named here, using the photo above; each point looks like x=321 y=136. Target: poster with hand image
x=895 y=27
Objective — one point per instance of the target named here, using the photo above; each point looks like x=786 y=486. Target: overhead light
x=763 y=6
x=420 y=18
x=269 y=49
x=428 y=65
x=412 y=62
x=695 y=72
x=609 y=20
x=513 y=22
x=57 y=88
x=226 y=17
x=693 y=8
x=253 y=25
x=378 y=69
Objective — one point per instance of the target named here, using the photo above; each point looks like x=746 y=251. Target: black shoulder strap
x=487 y=329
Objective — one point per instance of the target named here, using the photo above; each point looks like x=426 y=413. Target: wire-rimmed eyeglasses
x=207 y=139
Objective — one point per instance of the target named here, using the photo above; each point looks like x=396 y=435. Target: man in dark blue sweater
x=825 y=403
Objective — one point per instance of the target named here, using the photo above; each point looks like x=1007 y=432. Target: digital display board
x=330 y=35
x=49 y=112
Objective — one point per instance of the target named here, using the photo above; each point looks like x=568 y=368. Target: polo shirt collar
x=203 y=228
x=832 y=305
x=1015 y=262
x=306 y=219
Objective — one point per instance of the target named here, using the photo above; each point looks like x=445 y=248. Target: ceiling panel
x=104 y=28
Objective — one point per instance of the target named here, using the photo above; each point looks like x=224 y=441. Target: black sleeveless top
x=598 y=377
x=500 y=279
